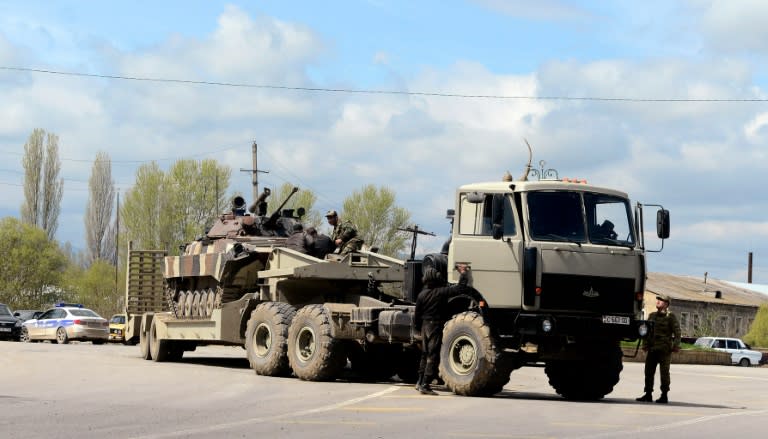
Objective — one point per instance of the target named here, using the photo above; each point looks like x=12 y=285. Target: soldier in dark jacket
x=298 y=240
x=659 y=344
x=431 y=314
x=321 y=244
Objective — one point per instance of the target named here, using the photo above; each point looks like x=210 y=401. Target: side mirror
x=475 y=197
x=662 y=223
x=498 y=231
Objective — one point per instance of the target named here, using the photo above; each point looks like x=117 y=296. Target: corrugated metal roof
x=694 y=289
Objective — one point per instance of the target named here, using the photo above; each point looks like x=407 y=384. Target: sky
x=665 y=100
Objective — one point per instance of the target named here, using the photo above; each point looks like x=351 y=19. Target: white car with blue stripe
x=64 y=323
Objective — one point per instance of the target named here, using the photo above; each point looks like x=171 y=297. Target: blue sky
x=704 y=161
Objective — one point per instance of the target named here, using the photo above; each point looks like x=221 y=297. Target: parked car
x=26 y=314
x=66 y=322
x=10 y=326
x=741 y=353
x=117 y=328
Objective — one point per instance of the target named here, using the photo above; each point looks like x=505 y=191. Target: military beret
x=331 y=213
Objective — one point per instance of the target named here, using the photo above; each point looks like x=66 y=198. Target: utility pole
x=254 y=173
x=749 y=268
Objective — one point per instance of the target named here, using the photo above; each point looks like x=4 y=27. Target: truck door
x=494 y=263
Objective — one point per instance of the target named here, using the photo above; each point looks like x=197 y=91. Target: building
x=705 y=306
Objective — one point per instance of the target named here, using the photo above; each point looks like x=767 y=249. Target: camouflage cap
x=663 y=298
x=331 y=213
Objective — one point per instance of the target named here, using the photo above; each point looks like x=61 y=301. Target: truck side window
x=475 y=218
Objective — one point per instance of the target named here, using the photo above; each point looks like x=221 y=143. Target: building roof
x=694 y=289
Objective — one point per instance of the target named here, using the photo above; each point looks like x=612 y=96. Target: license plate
x=5 y=329
x=616 y=320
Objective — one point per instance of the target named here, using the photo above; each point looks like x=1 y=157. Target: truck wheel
x=407 y=367
x=470 y=361
x=314 y=355
x=144 y=342
x=158 y=349
x=375 y=362
x=589 y=378
x=266 y=338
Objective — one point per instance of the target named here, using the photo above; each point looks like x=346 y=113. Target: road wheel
x=24 y=337
x=470 y=361
x=187 y=305
x=210 y=302
x=158 y=349
x=744 y=362
x=144 y=341
x=374 y=362
x=313 y=354
x=589 y=377
x=61 y=336
x=201 y=307
x=195 y=311
x=266 y=338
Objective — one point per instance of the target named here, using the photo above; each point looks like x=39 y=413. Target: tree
x=303 y=198
x=95 y=287
x=162 y=211
x=377 y=218
x=32 y=266
x=42 y=187
x=758 y=332
x=99 y=228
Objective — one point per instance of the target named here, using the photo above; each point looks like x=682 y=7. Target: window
x=477 y=218
x=556 y=216
x=696 y=322
x=723 y=323
x=737 y=325
x=733 y=344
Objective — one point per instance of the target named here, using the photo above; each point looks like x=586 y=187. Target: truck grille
x=600 y=295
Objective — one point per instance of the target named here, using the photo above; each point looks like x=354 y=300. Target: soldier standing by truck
x=430 y=317
x=663 y=339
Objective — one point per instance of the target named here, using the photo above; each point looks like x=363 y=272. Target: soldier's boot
x=425 y=388
x=663 y=398
x=420 y=382
x=648 y=397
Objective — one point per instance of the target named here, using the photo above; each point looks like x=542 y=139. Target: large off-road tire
x=314 y=355
x=374 y=362
x=471 y=362
x=591 y=375
x=160 y=350
x=144 y=342
x=266 y=338
x=61 y=336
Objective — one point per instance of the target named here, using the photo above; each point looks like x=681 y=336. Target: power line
x=379 y=92
x=137 y=161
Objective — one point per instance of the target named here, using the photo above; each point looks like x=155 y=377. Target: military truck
x=560 y=266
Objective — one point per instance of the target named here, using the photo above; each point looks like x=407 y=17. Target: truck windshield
x=580 y=217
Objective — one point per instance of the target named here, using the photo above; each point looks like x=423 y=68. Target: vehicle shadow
x=510 y=394
x=223 y=362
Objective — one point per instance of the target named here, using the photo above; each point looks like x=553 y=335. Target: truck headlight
x=642 y=330
x=546 y=325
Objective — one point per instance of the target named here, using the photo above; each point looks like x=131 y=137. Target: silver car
x=64 y=323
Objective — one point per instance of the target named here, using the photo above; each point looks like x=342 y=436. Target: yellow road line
x=382 y=409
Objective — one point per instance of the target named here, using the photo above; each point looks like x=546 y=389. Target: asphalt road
x=85 y=391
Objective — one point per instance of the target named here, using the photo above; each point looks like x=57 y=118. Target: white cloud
x=734 y=26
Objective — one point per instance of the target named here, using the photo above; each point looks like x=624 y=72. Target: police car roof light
x=63 y=304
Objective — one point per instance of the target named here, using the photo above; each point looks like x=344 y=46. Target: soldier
x=430 y=317
x=321 y=244
x=344 y=234
x=298 y=240
x=659 y=344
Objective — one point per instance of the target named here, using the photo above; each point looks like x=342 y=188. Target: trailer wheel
x=144 y=341
x=266 y=338
x=470 y=360
x=314 y=355
x=375 y=362
x=591 y=376
x=158 y=349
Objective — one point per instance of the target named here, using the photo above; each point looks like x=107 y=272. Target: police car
x=64 y=323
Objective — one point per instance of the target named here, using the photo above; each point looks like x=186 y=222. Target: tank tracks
x=195 y=304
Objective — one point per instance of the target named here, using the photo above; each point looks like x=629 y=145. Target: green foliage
x=96 y=287
x=304 y=198
x=758 y=332
x=377 y=218
x=32 y=266
x=165 y=210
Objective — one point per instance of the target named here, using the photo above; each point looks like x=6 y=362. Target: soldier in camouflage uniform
x=659 y=344
x=344 y=234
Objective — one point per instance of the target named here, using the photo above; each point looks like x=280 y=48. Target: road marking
x=245 y=422
x=329 y=423
x=382 y=409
